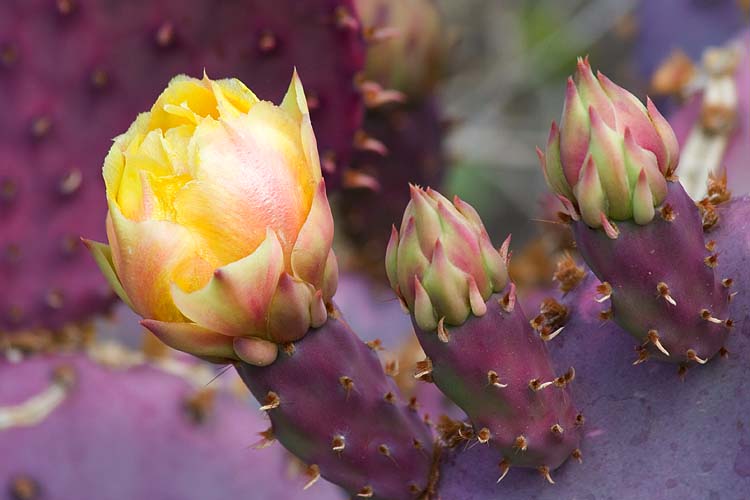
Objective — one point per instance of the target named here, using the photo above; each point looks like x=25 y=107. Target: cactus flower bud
x=442 y=263
x=611 y=155
x=219 y=228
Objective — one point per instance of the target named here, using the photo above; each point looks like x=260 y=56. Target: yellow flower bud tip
x=216 y=198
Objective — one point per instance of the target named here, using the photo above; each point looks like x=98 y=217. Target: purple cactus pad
x=647 y=434
x=497 y=369
x=332 y=405
x=661 y=281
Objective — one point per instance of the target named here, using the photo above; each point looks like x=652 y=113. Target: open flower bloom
x=219 y=227
x=442 y=264
x=611 y=155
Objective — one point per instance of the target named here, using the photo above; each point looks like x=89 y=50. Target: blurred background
x=451 y=94
x=507 y=75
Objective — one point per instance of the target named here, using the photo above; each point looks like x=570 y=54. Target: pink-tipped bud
x=607 y=128
x=442 y=262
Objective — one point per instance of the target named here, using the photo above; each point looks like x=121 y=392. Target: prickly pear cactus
x=481 y=350
x=639 y=417
x=388 y=455
x=111 y=426
x=118 y=56
x=611 y=162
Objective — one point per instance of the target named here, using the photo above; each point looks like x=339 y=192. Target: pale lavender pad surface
x=647 y=434
x=124 y=435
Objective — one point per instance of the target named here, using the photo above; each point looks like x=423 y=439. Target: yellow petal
x=148 y=257
x=237 y=298
x=241 y=97
x=181 y=101
x=175 y=143
x=295 y=103
x=232 y=97
x=114 y=162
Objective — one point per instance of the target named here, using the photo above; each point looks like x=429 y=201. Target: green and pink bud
x=441 y=263
x=612 y=160
x=611 y=156
x=481 y=349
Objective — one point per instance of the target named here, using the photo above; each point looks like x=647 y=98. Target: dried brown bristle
x=568 y=274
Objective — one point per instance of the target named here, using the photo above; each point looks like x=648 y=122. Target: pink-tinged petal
x=551 y=163
x=236 y=300
x=426 y=219
x=592 y=93
x=668 y=137
x=574 y=134
x=391 y=258
x=643 y=201
x=448 y=286
x=436 y=196
x=476 y=301
x=632 y=114
x=330 y=277
x=148 y=257
x=469 y=212
x=590 y=195
x=411 y=260
x=462 y=243
x=424 y=313
x=569 y=208
x=638 y=159
x=606 y=149
x=314 y=241
x=289 y=312
x=191 y=338
x=255 y=351
x=249 y=173
x=318 y=310
x=103 y=257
